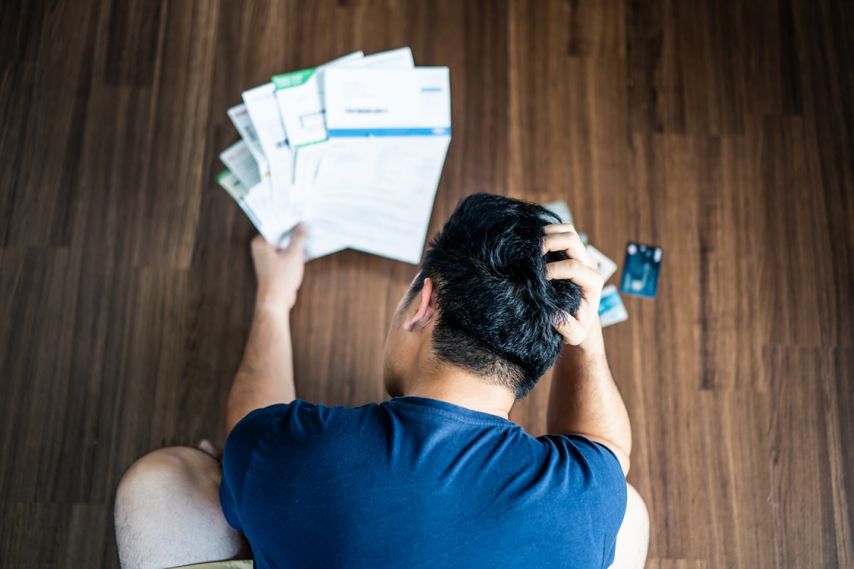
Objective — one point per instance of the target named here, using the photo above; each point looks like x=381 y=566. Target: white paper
x=400 y=58
x=389 y=133
x=270 y=209
x=238 y=192
x=300 y=99
x=264 y=112
x=240 y=162
x=306 y=163
x=300 y=94
x=243 y=124
x=409 y=101
x=364 y=179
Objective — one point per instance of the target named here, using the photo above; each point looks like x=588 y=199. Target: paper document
x=237 y=191
x=243 y=123
x=264 y=112
x=389 y=132
x=393 y=59
x=241 y=163
x=354 y=148
x=300 y=94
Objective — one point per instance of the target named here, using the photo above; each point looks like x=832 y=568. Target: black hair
x=496 y=309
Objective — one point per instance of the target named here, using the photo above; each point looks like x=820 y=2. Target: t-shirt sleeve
x=604 y=479
x=237 y=457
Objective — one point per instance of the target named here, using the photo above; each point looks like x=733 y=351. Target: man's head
x=481 y=300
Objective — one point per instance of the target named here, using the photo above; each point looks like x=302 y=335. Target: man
x=437 y=476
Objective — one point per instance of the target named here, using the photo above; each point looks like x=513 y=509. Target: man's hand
x=279 y=271
x=581 y=269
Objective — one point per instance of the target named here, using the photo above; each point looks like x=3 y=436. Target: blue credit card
x=640 y=269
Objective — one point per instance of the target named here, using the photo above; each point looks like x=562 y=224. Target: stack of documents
x=353 y=148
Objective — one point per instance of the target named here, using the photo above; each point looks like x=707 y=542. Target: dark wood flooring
x=722 y=131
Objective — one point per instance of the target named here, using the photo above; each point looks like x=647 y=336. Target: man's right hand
x=279 y=271
x=581 y=269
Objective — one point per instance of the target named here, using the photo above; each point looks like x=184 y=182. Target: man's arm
x=266 y=373
x=584 y=399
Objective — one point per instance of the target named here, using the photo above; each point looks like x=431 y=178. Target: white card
x=611 y=308
x=607 y=267
x=561 y=210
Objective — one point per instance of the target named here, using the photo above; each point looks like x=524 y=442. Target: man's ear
x=423 y=308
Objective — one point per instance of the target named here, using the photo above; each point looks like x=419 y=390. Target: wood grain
x=722 y=131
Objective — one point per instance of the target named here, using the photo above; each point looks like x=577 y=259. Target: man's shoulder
x=578 y=453
x=302 y=410
x=297 y=427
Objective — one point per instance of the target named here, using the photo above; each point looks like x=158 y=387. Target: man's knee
x=633 y=537
x=162 y=472
x=636 y=512
x=155 y=467
x=167 y=511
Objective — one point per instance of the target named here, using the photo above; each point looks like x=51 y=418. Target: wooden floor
x=722 y=131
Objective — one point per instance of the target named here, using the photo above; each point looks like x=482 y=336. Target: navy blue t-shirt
x=416 y=482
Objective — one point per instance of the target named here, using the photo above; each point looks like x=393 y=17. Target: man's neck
x=454 y=385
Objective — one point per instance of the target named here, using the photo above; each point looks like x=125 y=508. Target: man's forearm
x=266 y=373
x=585 y=400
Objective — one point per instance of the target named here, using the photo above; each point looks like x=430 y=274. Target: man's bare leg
x=167 y=512
x=167 y=505
x=633 y=537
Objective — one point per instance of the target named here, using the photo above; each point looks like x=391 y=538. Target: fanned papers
x=353 y=148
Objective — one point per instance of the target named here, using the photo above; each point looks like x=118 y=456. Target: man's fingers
x=572 y=330
x=558 y=228
x=298 y=236
x=576 y=271
x=571 y=243
x=299 y=231
x=563 y=237
x=582 y=270
x=258 y=245
x=209 y=448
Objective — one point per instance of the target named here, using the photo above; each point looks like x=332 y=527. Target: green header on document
x=293 y=79
x=226 y=178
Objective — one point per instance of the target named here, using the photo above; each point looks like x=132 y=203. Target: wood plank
x=802 y=484
x=722 y=131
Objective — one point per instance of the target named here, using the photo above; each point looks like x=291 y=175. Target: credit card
x=640 y=269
